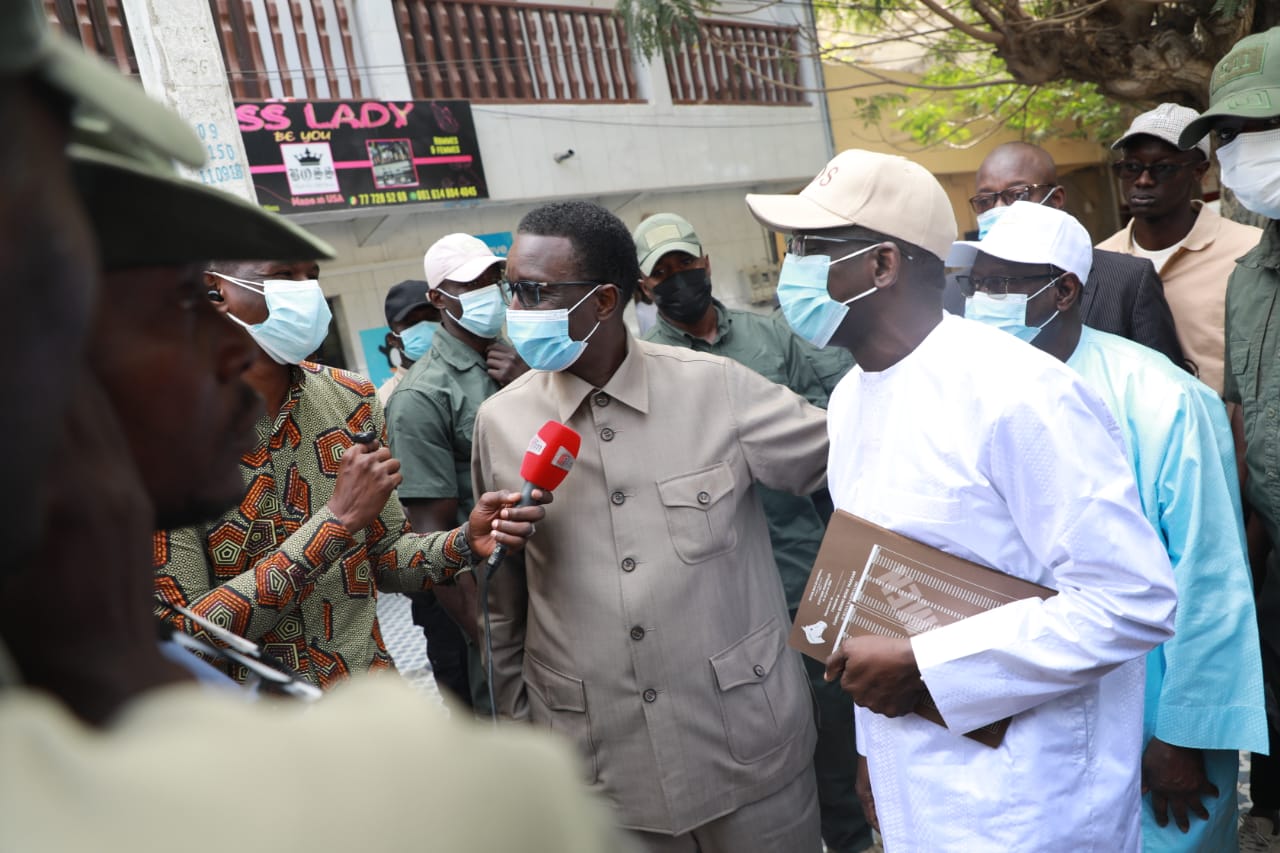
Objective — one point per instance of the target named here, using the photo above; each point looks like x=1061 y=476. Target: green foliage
x=961 y=98
x=654 y=25
x=969 y=109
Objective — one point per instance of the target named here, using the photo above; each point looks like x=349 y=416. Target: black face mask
x=684 y=296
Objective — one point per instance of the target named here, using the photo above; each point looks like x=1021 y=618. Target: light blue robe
x=1204 y=686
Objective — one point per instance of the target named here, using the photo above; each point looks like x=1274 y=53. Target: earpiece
x=215 y=296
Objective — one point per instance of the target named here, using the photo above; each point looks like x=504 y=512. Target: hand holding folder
x=880 y=673
x=881 y=589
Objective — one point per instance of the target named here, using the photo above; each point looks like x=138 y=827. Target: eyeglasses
x=803 y=244
x=997 y=286
x=982 y=202
x=1131 y=170
x=530 y=292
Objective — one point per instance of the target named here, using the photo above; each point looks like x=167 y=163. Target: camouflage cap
x=29 y=47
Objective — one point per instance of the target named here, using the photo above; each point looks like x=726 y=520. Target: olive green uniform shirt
x=829 y=363
x=1252 y=379
x=430 y=418
x=795 y=525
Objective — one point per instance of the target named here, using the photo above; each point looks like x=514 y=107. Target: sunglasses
x=530 y=292
x=1131 y=170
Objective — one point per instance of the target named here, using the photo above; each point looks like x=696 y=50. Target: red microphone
x=547 y=462
x=549 y=457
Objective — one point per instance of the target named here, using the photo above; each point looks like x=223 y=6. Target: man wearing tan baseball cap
x=1002 y=466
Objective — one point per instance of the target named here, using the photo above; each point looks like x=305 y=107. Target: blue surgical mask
x=542 y=337
x=297 y=317
x=417 y=339
x=802 y=292
x=988 y=218
x=1008 y=314
x=483 y=311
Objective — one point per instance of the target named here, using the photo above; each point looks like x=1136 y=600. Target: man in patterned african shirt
x=297 y=566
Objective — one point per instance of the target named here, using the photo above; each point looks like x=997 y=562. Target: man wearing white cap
x=966 y=440
x=1204 y=687
x=429 y=422
x=1193 y=248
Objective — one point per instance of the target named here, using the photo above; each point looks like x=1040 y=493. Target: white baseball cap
x=1166 y=122
x=882 y=192
x=457 y=257
x=1031 y=233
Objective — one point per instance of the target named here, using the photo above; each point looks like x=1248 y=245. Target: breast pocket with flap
x=700 y=510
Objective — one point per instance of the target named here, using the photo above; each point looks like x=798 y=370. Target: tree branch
x=963 y=26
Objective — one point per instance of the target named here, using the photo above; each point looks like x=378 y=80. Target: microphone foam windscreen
x=550 y=455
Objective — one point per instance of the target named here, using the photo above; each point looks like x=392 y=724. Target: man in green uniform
x=429 y=423
x=1244 y=117
x=677 y=277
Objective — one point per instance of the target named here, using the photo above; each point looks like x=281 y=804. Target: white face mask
x=1251 y=169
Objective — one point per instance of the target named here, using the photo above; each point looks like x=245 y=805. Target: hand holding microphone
x=547 y=462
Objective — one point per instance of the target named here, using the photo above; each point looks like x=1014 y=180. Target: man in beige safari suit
x=646 y=620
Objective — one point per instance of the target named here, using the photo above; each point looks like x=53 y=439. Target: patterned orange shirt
x=279 y=569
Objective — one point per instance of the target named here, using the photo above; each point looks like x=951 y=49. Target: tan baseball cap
x=145 y=215
x=457 y=257
x=29 y=47
x=663 y=233
x=882 y=192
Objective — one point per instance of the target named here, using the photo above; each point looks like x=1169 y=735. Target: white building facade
x=563 y=107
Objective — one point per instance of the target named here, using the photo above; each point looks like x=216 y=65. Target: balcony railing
x=737 y=63
x=287 y=48
x=495 y=51
x=97 y=24
x=480 y=50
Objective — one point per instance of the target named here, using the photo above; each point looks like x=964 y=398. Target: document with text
x=869 y=580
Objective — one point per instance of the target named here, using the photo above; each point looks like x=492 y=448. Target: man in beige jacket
x=646 y=620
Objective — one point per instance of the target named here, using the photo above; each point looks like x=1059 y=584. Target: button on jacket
x=646 y=621
x=795 y=525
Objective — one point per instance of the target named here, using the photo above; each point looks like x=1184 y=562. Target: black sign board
x=333 y=155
